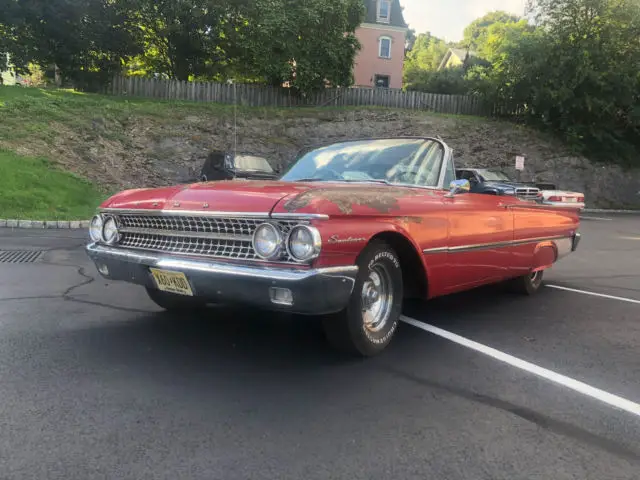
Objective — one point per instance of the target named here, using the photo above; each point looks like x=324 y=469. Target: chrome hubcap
x=536 y=276
x=377 y=298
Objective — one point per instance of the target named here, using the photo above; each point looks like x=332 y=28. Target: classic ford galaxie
x=347 y=232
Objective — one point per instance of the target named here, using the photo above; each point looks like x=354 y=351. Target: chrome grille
x=175 y=223
x=209 y=236
x=190 y=246
x=527 y=193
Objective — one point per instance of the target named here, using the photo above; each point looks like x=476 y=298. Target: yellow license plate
x=172 y=282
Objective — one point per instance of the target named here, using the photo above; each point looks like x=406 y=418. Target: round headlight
x=304 y=243
x=95 y=228
x=110 y=231
x=267 y=241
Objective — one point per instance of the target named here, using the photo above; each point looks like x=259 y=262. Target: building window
x=384 y=50
x=384 y=11
x=381 y=81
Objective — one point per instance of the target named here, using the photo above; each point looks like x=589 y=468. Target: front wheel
x=527 y=284
x=371 y=318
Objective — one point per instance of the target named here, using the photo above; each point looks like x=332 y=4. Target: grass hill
x=62 y=152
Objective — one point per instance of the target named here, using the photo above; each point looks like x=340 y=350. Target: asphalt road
x=96 y=382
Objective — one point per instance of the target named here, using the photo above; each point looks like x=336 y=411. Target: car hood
x=254 y=196
x=242 y=196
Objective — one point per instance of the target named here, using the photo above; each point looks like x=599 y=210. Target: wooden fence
x=266 y=96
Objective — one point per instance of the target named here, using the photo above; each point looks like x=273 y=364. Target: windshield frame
x=447 y=157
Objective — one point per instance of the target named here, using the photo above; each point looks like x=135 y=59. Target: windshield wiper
x=373 y=180
x=345 y=180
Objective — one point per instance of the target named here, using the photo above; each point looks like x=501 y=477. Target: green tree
x=475 y=34
x=307 y=43
x=87 y=40
x=427 y=52
x=578 y=74
x=422 y=61
x=185 y=38
x=499 y=36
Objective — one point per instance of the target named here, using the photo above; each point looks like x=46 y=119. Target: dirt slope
x=124 y=144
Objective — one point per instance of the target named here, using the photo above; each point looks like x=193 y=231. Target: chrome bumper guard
x=575 y=242
x=312 y=292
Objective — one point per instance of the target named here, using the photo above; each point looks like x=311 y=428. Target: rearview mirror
x=458 y=186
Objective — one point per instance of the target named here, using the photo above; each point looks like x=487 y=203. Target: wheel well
x=414 y=276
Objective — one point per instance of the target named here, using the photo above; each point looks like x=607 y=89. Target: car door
x=479 y=240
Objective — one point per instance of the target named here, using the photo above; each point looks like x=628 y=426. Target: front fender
x=344 y=239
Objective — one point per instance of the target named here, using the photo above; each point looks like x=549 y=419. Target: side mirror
x=458 y=186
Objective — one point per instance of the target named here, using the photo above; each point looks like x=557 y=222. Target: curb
x=604 y=210
x=48 y=224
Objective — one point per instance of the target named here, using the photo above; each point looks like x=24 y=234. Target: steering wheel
x=406 y=175
x=335 y=175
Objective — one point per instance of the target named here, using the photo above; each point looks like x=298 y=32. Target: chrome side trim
x=489 y=246
x=532 y=204
x=206 y=213
x=436 y=250
x=301 y=216
x=181 y=233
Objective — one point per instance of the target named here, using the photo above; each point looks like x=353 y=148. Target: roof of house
x=397 y=17
x=461 y=53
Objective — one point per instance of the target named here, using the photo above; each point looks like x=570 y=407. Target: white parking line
x=605 y=397
x=594 y=294
x=601 y=219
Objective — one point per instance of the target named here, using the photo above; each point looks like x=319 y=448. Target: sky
x=448 y=18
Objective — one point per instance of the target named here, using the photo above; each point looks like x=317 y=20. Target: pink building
x=382 y=35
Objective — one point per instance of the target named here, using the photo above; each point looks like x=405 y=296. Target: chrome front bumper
x=314 y=292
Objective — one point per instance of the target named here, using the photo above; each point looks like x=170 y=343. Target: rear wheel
x=369 y=322
x=527 y=284
x=173 y=302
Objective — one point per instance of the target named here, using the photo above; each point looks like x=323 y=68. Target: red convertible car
x=347 y=232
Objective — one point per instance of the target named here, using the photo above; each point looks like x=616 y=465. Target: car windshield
x=249 y=162
x=396 y=161
x=494 y=176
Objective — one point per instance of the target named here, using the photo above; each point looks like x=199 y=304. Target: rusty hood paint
x=338 y=199
x=254 y=196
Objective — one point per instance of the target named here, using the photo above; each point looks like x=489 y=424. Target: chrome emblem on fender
x=205 y=205
x=176 y=204
x=337 y=239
